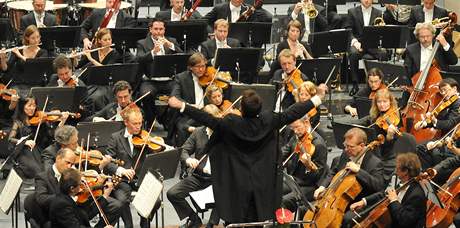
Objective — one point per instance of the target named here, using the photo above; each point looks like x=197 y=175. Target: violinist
x=7 y=108
x=298 y=167
x=368 y=170
x=64 y=137
x=374 y=83
x=199 y=179
x=220 y=40
x=231 y=11
x=408 y=206
x=215 y=96
x=176 y=12
x=64 y=211
x=306 y=91
x=64 y=76
x=287 y=77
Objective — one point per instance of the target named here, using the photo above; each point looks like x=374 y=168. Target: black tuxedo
x=46 y=188
x=208 y=48
x=144 y=55
x=29 y=19
x=92 y=23
x=447 y=118
x=288 y=99
x=318 y=24
x=184 y=87
x=222 y=11
x=418 y=16
x=64 y=213
x=165 y=15
x=49 y=155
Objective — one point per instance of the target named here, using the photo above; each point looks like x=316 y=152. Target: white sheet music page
x=147 y=195
x=9 y=192
x=203 y=197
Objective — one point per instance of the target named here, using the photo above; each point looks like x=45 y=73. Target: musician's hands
x=105 y=161
x=129 y=173
x=108 y=188
x=357 y=205
x=166 y=43
x=191 y=129
x=431 y=145
x=353 y=167
x=321 y=90
x=353 y=111
x=30 y=144
x=108 y=226
x=156 y=48
x=319 y=192
x=392 y=130
x=442 y=40
x=87 y=44
x=392 y=196
x=451 y=146
x=173 y=102
x=99 y=119
x=298 y=7
x=2 y=55
x=391 y=7
x=358 y=46
x=419 y=125
x=192 y=162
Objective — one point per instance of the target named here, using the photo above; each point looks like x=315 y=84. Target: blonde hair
x=287 y=53
x=308 y=86
x=425 y=25
x=382 y=93
x=212 y=109
x=221 y=22
x=211 y=89
x=31 y=29
x=101 y=33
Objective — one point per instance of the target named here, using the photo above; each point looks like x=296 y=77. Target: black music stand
x=189 y=34
x=251 y=34
x=400 y=2
x=266 y=92
x=329 y=2
x=391 y=71
x=453 y=75
x=340 y=129
x=109 y=74
x=164 y=162
x=168 y=65
x=7 y=34
x=60 y=37
x=330 y=42
x=238 y=61
x=390 y=36
x=59 y=98
x=36 y=71
x=100 y=132
x=317 y=70
x=126 y=38
x=363 y=106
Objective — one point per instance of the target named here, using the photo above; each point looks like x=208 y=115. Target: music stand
x=330 y=42
x=36 y=71
x=329 y=2
x=341 y=128
x=109 y=74
x=266 y=92
x=453 y=75
x=390 y=36
x=251 y=34
x=59 y=98
x=238 y=60
x=319 y=69
x=391 y=71
x=168 y=65
x=125 y=38
x=7 y=33
x=363 y=105
x=60 y=37
x=400 y=2
x=189 y=34
x=164 y=162
x=100 y=132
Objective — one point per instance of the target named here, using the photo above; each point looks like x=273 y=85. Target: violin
x=155 y=143
x=391 y=117
x=441 y=106
x=306 y=146
x=71 y=83
x=312 y=113
x=94 y=157
x=245 y=16
x=220 y=79
x=3 y=134
x=227 y=107
x=7 y=93
x=294 y=80
x=373 y=92
x=52 y=116
x=96 y=183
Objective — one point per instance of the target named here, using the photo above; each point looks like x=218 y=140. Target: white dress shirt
x=40 y=19
x=113 y=20
x=428 y=14
x=366 y=15
x=235 y=12
x=57 y=174
x=175 y=16
x=280 y=96
x=130 y=140
x=425 y=55
x=198 y=92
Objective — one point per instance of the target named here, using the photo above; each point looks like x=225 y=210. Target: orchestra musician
x=64 y=211
x=408 y=206
x=176 y=12
x=64 y=76
x=297 y=167
x=358 y=17
x=199 y=179
x=215 y=96
x=305 y=92
x=243 y=155
x=426 y=12
x=119 y=19
x=38 y=17
x=374 y=83
x=309 y=23
x=301 y=49
x=231 y=11
x=64 y=137
x=7 y=110
x=397 y=14
x=220 y=40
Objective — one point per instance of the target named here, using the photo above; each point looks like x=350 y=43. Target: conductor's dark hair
x=69 y=178
x=448 y=81
x=251 y=104
x=120 y=86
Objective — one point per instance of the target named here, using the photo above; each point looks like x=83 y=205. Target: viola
x=221 y=79
x=96 y=183
x=94 y=157
x=312 y=113
x=391 y=117
x=7 y=93
x=192 y=9
x=51 y=116
x=245 y=16
x=227 y=107
x=155 y=143
x=445 y=103
x=343 y=188
x=294 y=80
x=306 y=146
x=373 y=92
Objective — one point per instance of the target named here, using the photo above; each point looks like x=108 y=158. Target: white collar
x=232 y=7
x=427 y=48
x=368 y=10
x=428 y=10
x=209 y=132
x=127 y=134
x=57 y=174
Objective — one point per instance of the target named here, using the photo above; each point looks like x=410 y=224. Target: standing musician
x=220 y=40
x=288 y=74
x=92 y=24
x=309 y=23
x=176 y=12
x=245 y=157
x=374 y=83
x=426 y=13
x=408 y=206
x=299 y=165
x=64 y=211
x=38 y=17
x=369 y=170
x=199 y=179
x=358 y=17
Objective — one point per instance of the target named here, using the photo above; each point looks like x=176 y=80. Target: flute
x=19 y=48
x=73 y=55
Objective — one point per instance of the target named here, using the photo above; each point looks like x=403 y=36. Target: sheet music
x=203 y=197
x=9 y=192
x=147 y=195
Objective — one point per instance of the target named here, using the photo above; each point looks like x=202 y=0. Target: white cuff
x=353 y=41
x=182 y=108
x=447 y=47
x=172 y=47
x=120 y=171
x=316 y=100
x=365 y=201
x=152 y=53
x=294 y=15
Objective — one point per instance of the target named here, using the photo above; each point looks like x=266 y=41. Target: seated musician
x=426 y=12
x=47 y=188
x=284 y=76
x=64 y=137
x=407 y=206
x=304 y=93
x=397 y=14
x=368 y=168
x=215 y=96
x=358 y=17
x=64 y=76
x=156 y=43
x=38 y=17
x=119 y=19
x=176 y=12
x=220 y=40
x=374 y=83
x=199 y=179
x=7 y=110
x=64 y=211
x=300 y=165
x=298 y=12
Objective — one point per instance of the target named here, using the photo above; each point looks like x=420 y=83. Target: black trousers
x=356 y=55
x=177 y=194
x=28 y=163
x=123 y=193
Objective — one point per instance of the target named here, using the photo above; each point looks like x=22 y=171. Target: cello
x=343 y=188
x=424 y=95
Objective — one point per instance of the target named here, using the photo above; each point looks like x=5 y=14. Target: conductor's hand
x=319 y=192
x=357 y=205
x=321 y=90
x=173 y=102
x=129 y=173
x=192 y=162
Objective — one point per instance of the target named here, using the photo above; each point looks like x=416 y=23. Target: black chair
x=33 y=214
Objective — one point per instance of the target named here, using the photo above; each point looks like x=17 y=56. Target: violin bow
x=7 y=84
x=80 y=155
x=124 y=109
x=106 y=221
x=87 y=151
x=231 y=106
x=40 y=121
x=330 y=75
x=391 y=83
x=144 y=146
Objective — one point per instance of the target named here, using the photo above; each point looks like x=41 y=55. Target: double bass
x=424 y=95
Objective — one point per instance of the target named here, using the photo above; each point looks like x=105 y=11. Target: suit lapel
x=374 y=14
x=360 y=17
x=418 y=56
x=190 y=84
x=125 y=143
x=119 y=22
x=53 y=181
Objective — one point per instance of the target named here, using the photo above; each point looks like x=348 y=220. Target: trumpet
x=440 y=20
x=310 y=10
x=378 y=21
x=19 y=48
x=73 y=55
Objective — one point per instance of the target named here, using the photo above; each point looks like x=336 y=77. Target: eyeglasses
x=349 y=146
